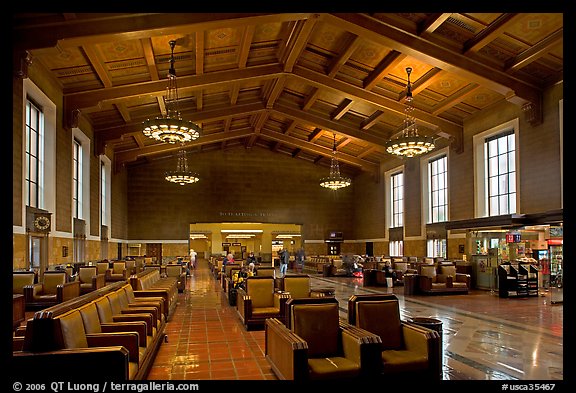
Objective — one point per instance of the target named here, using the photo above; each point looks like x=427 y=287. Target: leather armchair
x=53 y=289
x=259 y=301
x=89 y=279
x=406 y=349
x=118 y=272
x=297 y=286
x=316 y=344
x=103 y=268
x=20 y=280
x=459 y=280
x=430 y=281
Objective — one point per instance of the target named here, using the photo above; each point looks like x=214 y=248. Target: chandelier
x=335 y=181
x=182 y=175
x=410 y=143
x=171 y=128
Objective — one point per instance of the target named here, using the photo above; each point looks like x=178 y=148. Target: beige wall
x=236 y=185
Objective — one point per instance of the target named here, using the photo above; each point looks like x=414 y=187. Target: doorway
x=37 y=253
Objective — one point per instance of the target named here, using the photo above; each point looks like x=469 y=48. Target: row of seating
x=314 y=343
x=151 y=283
x=113 y=332
x=264 y=295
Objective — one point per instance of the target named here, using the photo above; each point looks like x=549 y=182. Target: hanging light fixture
x=171 y=128
x=182 y=175
x=335 y=181
x=410 y=143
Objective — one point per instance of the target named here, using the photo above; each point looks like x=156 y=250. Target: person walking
x=193 y=255
x=284 y=259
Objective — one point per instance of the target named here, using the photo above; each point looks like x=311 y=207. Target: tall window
x=396 y=248
x=436 y=248
x=437 y=190
x=77 y=179
x=500 y=165
x=397 y=199
x=34 y=144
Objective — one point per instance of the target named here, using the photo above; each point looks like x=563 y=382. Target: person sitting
x=388 y=271
x=251 y=258
x=251 y=269
x=229 y=259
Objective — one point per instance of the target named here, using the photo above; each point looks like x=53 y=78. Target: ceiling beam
x=513 y=88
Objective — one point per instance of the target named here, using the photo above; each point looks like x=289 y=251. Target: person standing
x=545 y=271
x=193 y=255
x=284 y=259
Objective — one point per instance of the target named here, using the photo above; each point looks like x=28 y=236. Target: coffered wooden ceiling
x=288 y=82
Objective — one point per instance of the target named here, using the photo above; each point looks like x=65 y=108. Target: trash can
x=433 y=324
x=326 y=270
x=410 y=283
x=369 y=277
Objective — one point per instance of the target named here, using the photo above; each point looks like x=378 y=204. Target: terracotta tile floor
x=484 y=337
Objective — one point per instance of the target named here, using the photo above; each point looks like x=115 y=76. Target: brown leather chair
x=316 y=344
x=103 y=268
x=89 y=279
x=20 y=280
x=406 y=349
x=259 y=301
x=53 y=289
x=118 y=272
x=297 y=286
x=430 y=281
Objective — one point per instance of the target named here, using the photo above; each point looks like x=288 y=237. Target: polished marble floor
x=484 y=337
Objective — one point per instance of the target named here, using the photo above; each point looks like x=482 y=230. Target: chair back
x=428 y=271
x=297 y=285
x=102 y=267
x=131 y=266
x=381 y=317
x=266 y=271
x=317 y=323
x=174 y=270
x=85 y=274
x=261 y=291
x=448 y=270
x=118 y=267
x=51 y=281
x=20 y=280
x=401 y=266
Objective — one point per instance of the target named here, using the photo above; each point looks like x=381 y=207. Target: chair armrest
x=425 y=282
x=128 y=340
x=157 y=302
x=244 y=304
x=98 y=281
x=67 y=291
x=286 y=352
x=426 y=342
x=128 y=326
x=417 y=338
x=137 y=317
x=280 y=300
x=30 y=291
x=362 y=347
x=137 y=309
x=462 y=277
